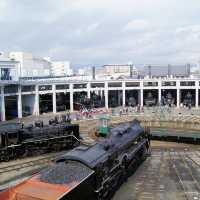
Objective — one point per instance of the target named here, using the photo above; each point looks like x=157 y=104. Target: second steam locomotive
x=17 y=140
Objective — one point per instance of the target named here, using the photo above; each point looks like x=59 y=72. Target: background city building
x=31 y=66
x=109 y=71
x=167 y=70
x=61 y=68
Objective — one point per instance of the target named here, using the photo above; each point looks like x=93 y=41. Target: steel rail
x=194 y=161
x=26 y=164
x=178 y=175
x=195 y=182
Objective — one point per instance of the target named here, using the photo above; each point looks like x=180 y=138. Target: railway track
x=186 y=178
x=197 y=153
x=27 y=164
x=143 y=189
x=194 y=161
x=169 y=173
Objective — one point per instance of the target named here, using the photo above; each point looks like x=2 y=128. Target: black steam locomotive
x=188 y=100
x=91 y=172
x=17 y=140
x=150 y=100
x=131 y=102
x=168 y=99
x=108 y=163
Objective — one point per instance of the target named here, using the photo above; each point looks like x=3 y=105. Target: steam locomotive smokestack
x=93 y=73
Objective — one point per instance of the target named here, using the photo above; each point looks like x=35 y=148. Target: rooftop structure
x=120 y=70
x=31 y=66
x=110 y=71
x=167 y=70
x=61 y=68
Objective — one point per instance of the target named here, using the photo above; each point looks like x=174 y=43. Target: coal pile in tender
x=65 y=172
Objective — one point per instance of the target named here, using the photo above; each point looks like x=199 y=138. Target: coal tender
x=90 y=172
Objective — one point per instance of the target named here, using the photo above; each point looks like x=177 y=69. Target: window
x=11 y=89
x=45 y=87
x=80 y=86
x=147 y=84
x=97 y=85
x=187 y=83
x=168 y=83
x=5 y=74
x=28 y=88
x=62 y=87
x=132 y=84
x=117 y=84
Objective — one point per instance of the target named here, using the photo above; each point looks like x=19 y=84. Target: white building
x=117 y=70
x=61 y=68
x=31 y=66
x=110 y=70
x=85 y=71
x=195 y=69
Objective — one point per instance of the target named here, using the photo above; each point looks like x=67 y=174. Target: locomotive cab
x=11 y=138
x=10 y=134
x=2 y=140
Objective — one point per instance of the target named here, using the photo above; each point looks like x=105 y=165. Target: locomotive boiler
x=89 y=172
x=17 y=140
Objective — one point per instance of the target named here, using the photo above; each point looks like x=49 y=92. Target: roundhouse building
x=35 y=96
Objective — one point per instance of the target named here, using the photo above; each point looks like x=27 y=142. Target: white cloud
x=2 y=4
x=105 y=31
x=3 y=8
x=92 y=27
x=188 y=29
x=56 y=50
x=136 y=25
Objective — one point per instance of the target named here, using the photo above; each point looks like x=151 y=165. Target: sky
x=99 y=32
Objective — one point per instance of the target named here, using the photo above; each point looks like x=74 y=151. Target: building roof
x=167 y=70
